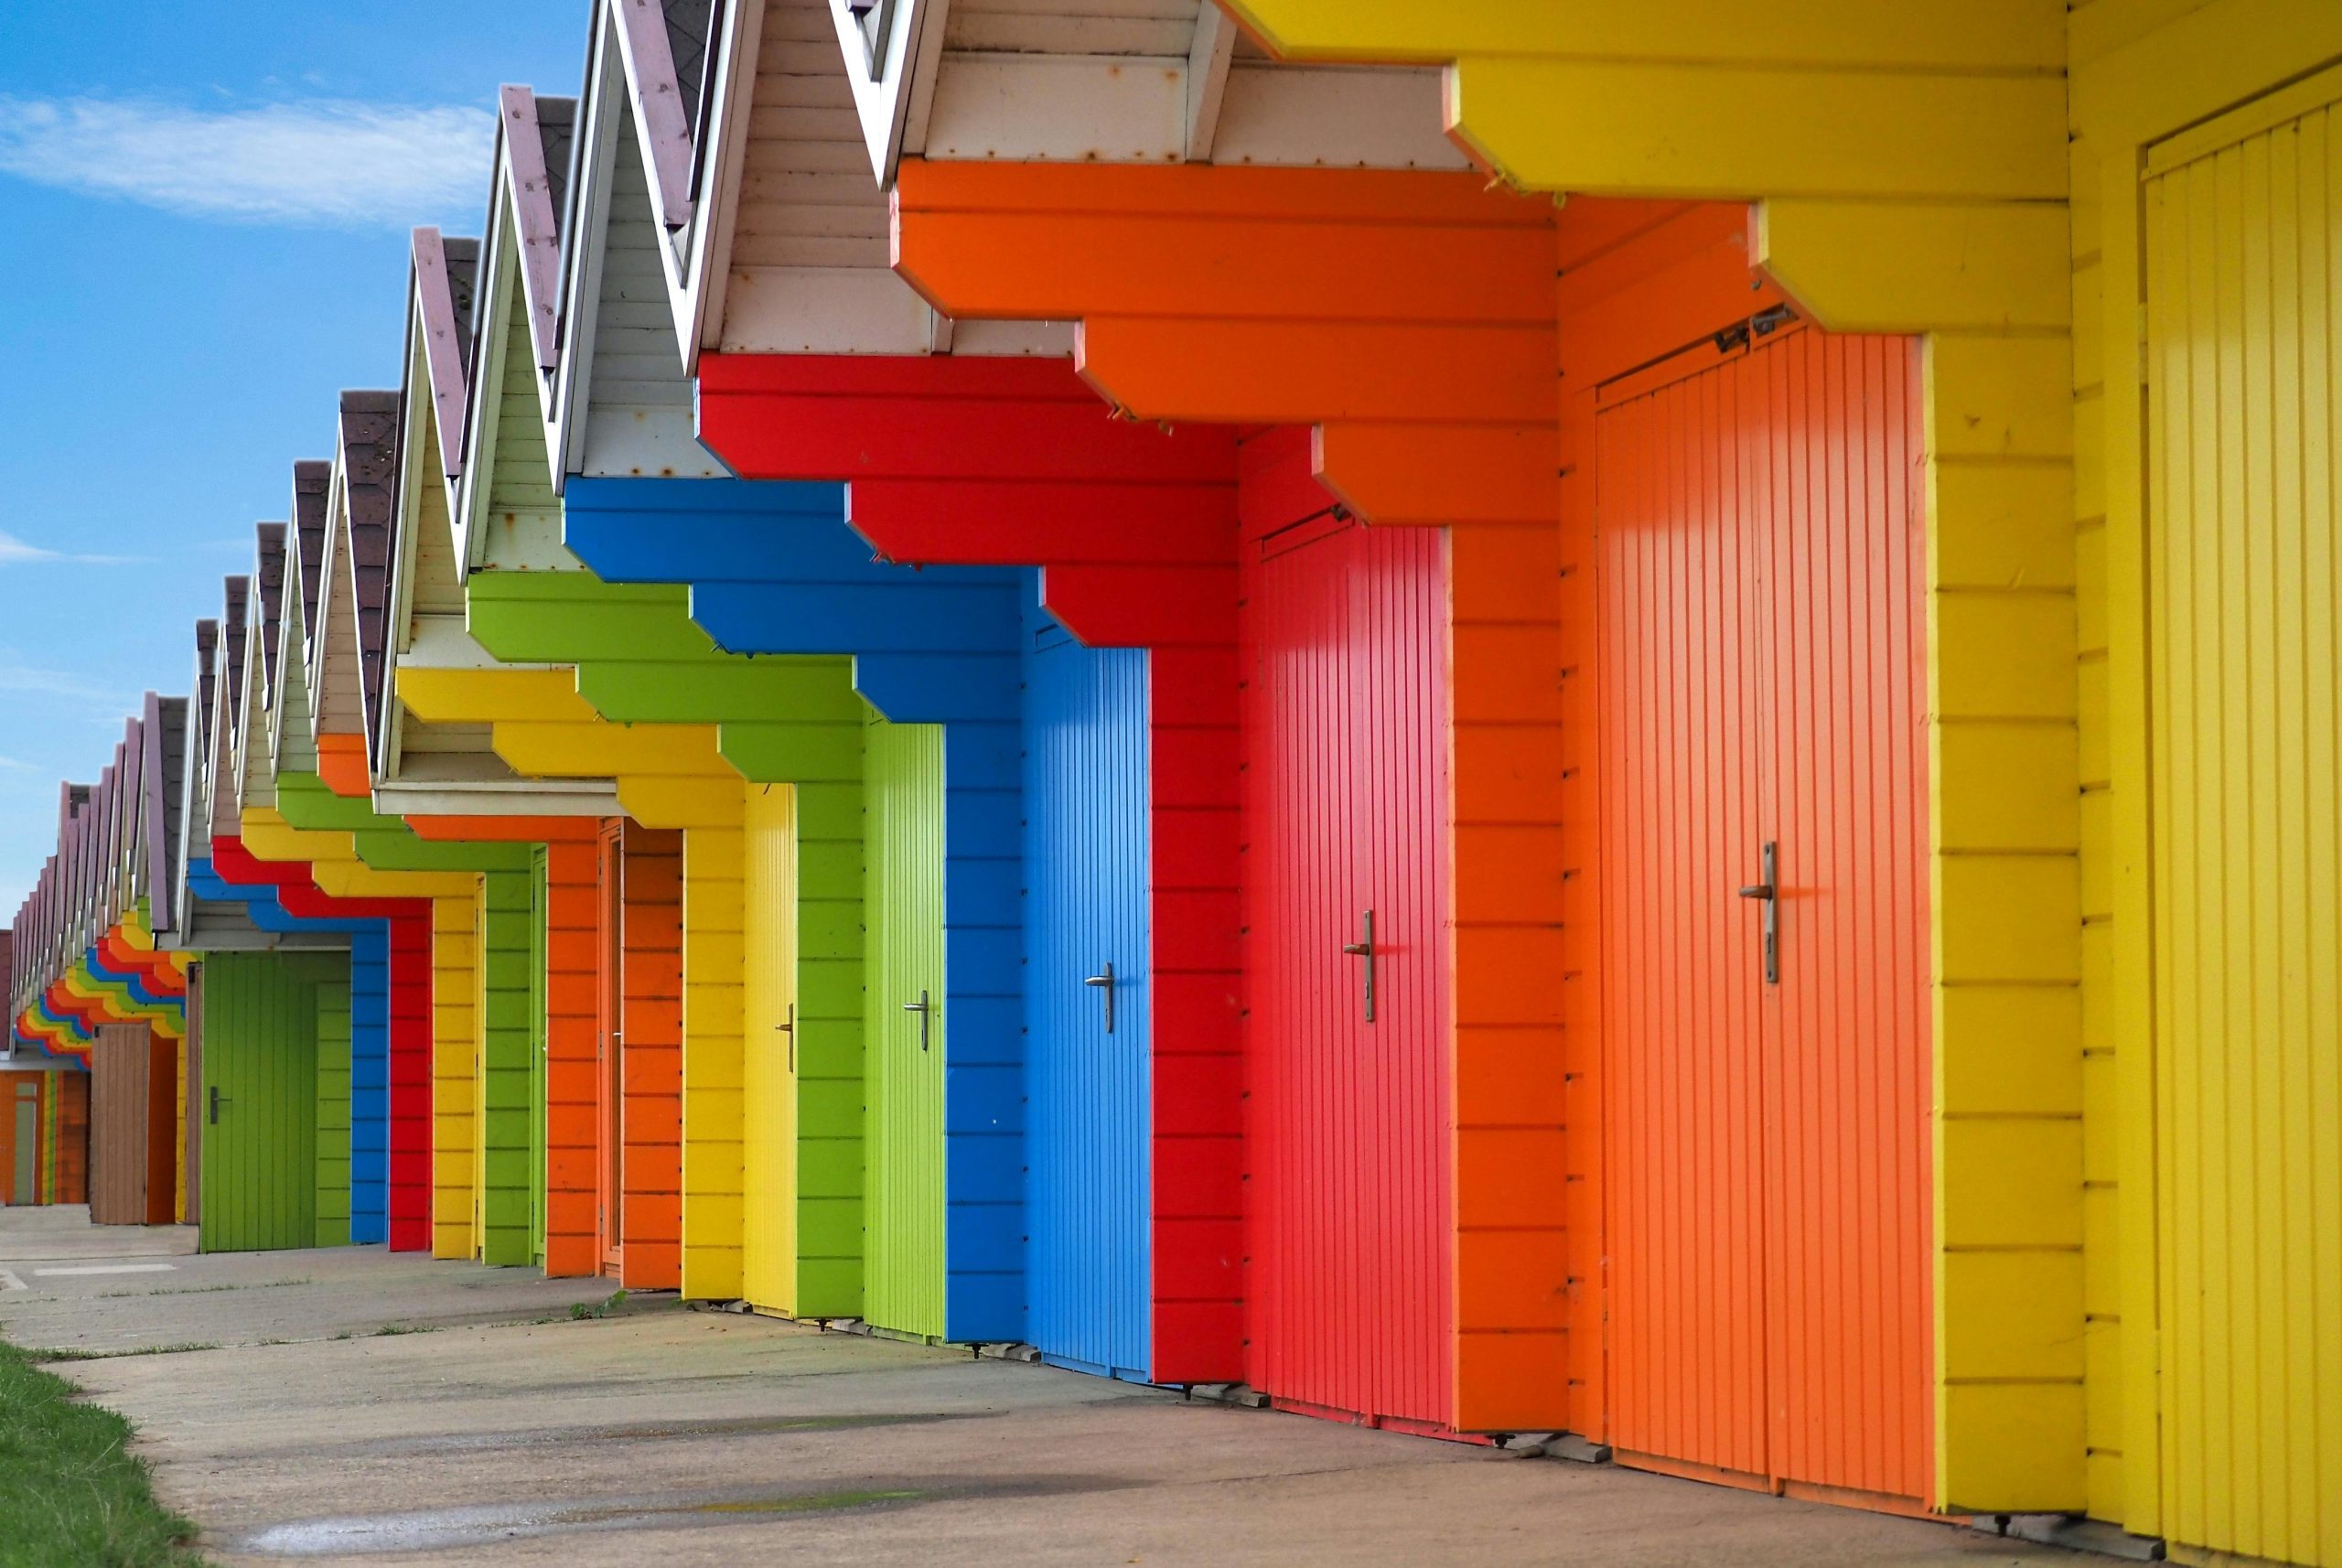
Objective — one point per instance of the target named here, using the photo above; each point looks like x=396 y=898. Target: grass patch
x=115 y=1355
x=581 y=1310
x=69 y=1488
x=390 y=1328
x=200 y=1290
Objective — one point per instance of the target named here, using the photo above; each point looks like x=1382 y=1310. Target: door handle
x=924 y=1012
x=1365 y=950
x=1105 y=982
x=789 y=1028
x=218 y=1100
x=1769 y=892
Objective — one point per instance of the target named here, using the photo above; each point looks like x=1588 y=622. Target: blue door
x=1087 y=1129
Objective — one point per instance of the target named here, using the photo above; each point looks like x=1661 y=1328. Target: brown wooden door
x=1761 y=635
x=120 y=1067
x=193 y=1111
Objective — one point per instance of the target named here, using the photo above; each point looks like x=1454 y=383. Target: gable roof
x=362 y=509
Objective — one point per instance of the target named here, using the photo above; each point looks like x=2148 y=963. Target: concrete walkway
x=506 y=1430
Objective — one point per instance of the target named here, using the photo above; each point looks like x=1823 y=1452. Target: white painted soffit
x=497 y=798
x=1143 y=81
x=808 y=267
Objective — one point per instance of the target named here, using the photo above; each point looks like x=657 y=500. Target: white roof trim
x=434 y=324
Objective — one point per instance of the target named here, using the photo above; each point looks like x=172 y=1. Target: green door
x=260 y=1090
x=26 y=1189
x=904 y=1028
x=332 y=1207
x=508 y=1068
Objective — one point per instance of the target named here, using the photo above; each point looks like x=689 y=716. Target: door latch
x=1365 y=949
x=789 y=1028
x=218 y=1100
x=1106 y=982
x=924 y=1012
x=1770 y=894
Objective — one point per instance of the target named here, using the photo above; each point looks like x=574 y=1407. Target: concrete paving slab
x=55 y=1232
x=683 y=1437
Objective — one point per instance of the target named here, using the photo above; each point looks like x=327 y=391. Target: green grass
x=70 y=1491
x=581 y=1310
x=61 y=1355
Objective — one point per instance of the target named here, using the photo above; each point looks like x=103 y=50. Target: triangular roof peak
x=621 y=400
x=252 y=781
x=220 y=753
x=361 y=513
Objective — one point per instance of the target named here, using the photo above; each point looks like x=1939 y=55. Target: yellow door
x=2243 y=232
x=770 y=1222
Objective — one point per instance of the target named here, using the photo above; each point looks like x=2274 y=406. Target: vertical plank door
x=2243 y=239
x=1345 y=746
x=768 y=1257
x=1089 y=1128
x=905 y=1060
x=1761 y=643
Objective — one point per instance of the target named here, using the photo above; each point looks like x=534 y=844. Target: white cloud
x=10 y=765
x=36 y=680
x=326 y=162
x=13 y=550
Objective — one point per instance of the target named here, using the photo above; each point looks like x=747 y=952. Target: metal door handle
x=1365 y=950
x=789 y=1028
x=218 y=1100
x=1106 y=981
x=924 y=1012
x=1768 y=892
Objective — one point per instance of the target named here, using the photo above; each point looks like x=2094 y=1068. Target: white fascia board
x=330 y=572
x=705 y=276
x=599 y=112
x=291 y=647
x=399 y=635
x=663 y=121
x=418 y=405
x=891 y=101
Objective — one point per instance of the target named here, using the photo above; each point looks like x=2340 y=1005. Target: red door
x=1762 y=625
x=1346 y=727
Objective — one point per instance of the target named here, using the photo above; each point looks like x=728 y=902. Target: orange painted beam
x=1410 y=315
x=342 y=763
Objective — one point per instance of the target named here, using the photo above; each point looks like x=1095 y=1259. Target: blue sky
x=203 y=221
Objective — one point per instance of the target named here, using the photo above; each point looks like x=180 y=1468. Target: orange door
x=1761 y=640
x=610 y=1131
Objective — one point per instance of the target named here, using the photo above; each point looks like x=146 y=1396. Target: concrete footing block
x=1576 y=1450
x=1007 y=1350
x=1245 y=1396
x=2073 y=1533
